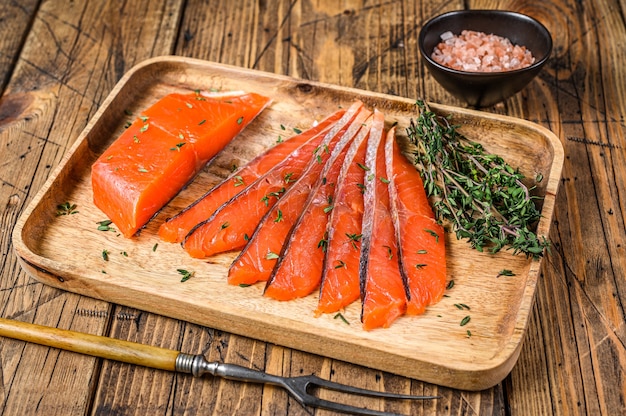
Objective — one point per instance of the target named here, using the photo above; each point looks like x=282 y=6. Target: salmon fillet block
x=163 y=149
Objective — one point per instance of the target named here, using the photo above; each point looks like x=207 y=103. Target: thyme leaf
x=238 y=180
x=271 y=256
x=505 y=272
x=66 y=209
x=105 y=225
x=342 y=318
x=186 y=274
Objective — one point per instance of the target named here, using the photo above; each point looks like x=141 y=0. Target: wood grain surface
x=61 y=59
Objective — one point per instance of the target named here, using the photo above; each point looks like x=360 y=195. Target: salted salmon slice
x=163 y=149
x=340 y=276
x=383 y=292
x=421 y=244
x=258 y=258
x=232 y=224
x=177 y=227
x=298 y=269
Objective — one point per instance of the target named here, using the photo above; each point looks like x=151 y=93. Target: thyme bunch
x=478 y=193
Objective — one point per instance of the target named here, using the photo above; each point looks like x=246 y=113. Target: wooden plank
x=15 y=23
x=54 y=94
x=575 y=342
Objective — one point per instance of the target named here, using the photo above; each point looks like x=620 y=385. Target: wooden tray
x=66 y=251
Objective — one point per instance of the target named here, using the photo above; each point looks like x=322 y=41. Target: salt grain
x=474 y=51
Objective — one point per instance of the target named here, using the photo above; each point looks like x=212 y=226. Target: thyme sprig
x=482 y=196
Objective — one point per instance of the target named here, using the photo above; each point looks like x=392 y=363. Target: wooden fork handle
x=94 y=345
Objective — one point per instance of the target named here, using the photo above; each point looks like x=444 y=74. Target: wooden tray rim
x=483 y=375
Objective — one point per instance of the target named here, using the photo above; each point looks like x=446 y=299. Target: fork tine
x=299 y=386
x=314 y=380
x=345 y=408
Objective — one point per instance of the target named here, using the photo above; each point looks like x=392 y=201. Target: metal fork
x=297 y=386
x=171 y=360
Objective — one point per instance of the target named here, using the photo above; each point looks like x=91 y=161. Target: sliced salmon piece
x=298 y=270
x=421 y=248
x=162 y=151
x=383 y=292
x=176 y=228
x=340 y=275
x=258 y=258
x=232 y=224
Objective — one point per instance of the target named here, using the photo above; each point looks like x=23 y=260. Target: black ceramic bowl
x=483 y=89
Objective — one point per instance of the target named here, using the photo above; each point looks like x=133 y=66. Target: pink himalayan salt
x=474 y=51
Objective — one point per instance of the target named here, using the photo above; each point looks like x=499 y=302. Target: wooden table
x=60 y=59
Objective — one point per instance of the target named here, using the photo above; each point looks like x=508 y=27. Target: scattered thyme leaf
x=238 y=179
x=353 y=239
x=505 y=272
x=186 y=275
x=340 y=316
x=66 y=209
x=465 y=320
x=323 y=243
x=289 y=177
x=340 y=264
x=105 y=225
x=433 y=233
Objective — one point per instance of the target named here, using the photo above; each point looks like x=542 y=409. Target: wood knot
x=13 y=107
x=305 y=88
x=14 y=200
